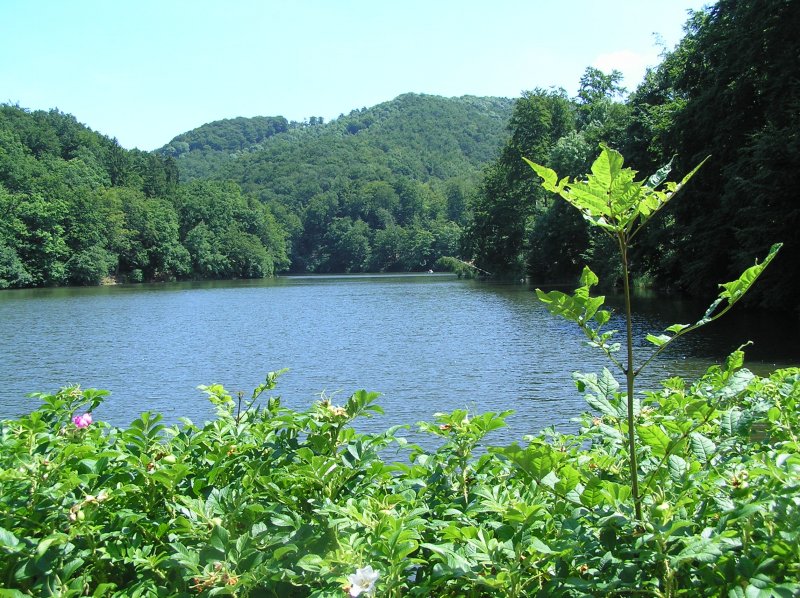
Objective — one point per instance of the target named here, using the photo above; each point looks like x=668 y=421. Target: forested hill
x=76 y=208
x=396 y=186
x=729 y=90
x=417 y=135
x=380 y=189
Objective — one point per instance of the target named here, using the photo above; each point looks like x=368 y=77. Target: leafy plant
x=611 y=199
x=267 y=501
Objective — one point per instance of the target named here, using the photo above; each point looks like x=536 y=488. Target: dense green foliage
x=77 y=208
x=399 y=186
x=611 y=200
x=265 y=501
x=514 y=227
x=380 y=189
x=730 y=90
x=692 y=489
x=384 y=189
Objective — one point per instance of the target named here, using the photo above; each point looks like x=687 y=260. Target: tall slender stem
x=630 y=375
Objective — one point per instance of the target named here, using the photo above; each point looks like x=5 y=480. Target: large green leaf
x=536 y=460
x=703 y=448
x=607 y=167
x=703 y=550
x=654 y=437
x=602 y=393
x=592 y=494
x=733 y=291
x=610 y=197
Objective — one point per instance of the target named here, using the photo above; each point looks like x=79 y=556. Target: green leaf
x=677 y=467
x=283 y=550
x=568 y=479
x=702 y=448
x=549 y=175
x=606 y=168
x=537 y=545
x=219 y=538
x=588 y=278
x=730 y=421
x=536 y=460
x=734 y=290
x=676 y=328
x=659 y=340
x=602 y=394
x=457 y=564
x=654 y=437
x=703 y=550
x=311 y=562
x=660 y=175
x=762 y=585
x=592 y=494
x=8 y=539
x=282 y=520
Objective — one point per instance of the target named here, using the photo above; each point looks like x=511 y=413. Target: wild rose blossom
x=82 y=421
x=363 y=580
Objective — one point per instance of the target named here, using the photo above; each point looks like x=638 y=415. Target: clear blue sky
x=144 y=71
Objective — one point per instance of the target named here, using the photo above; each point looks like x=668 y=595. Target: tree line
x=382 y=189
x=77 y=209
x=731 y=90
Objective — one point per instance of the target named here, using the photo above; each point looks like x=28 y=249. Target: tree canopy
x=77 y=209
x=731 y=90
x=380 y=189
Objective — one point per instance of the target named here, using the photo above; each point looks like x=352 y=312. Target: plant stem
x=630 y=375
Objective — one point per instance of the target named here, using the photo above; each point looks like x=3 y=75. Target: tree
x=730 y=89
x=89 y=266
x=347 y=246
x=504 y=207
x=154 y=248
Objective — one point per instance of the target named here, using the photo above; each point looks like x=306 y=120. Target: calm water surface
x=429 y=343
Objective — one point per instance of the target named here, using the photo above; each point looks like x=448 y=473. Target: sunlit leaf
x=654 y=437
x=677 y=467
x=659 y=340
x=607 y=166
x=702 y=448
x=703 y=550
x=592 y=494
x=734 y=290
x=660 y=175
x=676 y=328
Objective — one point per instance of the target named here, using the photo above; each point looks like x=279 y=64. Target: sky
x=144 y=71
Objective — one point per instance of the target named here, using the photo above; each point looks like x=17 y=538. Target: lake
x=427 y=342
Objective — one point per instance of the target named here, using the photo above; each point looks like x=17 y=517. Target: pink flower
x=82 y=421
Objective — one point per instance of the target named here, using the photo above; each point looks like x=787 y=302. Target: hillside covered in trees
x=380 y=189
x=77 y=209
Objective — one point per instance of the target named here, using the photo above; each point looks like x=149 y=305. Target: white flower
x=363 y=580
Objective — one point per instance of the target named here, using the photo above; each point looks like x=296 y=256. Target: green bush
x=266 y=501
